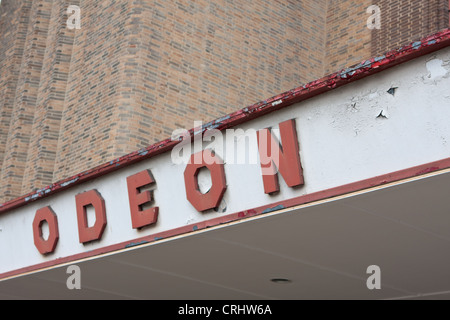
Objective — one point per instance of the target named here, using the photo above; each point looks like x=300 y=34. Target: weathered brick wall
x=42 y=150
x=349 y=41
x=404 y=21
x=200 y=60
x=14 y=18
x=22 y=113
x=138 y=69
x=97 y=87
x=161 y=65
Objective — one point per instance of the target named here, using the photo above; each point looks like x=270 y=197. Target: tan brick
x=138 y=69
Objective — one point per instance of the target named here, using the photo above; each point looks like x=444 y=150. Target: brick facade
x=348 y=38
x=404 y=21
x=26 y=91
x=138 y=69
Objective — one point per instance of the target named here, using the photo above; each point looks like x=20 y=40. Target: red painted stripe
x=364 y=69
x=304 y=199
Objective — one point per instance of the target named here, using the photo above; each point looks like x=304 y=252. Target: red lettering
x=139 y=217
x=84 y=200
x=213 y=197
x=285 y=158
x=45 y=215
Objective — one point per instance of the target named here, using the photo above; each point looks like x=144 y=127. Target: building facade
x=328 y=122
x=358 y=207
x=72 y=99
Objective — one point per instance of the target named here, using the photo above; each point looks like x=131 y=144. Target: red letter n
x=285 y=158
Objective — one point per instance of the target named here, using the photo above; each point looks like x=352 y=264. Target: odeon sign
x=274 y=159
x=352 y=134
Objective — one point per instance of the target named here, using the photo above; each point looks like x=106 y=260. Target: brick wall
x=14 y=19
x=404 y=21
x=26 y=90
x=51 y=96
x=199 y=60
x=349 y=41
x=97 y=87
x=163 y=64
x=138 y=69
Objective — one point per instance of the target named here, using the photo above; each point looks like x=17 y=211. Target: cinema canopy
x=362 y=180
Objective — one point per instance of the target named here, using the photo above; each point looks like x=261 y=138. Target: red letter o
x=212 y=198
x=49 y=245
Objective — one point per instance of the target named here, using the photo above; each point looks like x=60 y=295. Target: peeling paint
x=279 y=207
x=143 y=152
x=377 y=59
x=435 y=68
x=392 y=90
x=277 y=102
x=134 y=244
x=198 y=131
x=65 y=184
x=416 y=45
x=212 y=126
x=383 y=114
x=34 y=196
x=223 y=118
